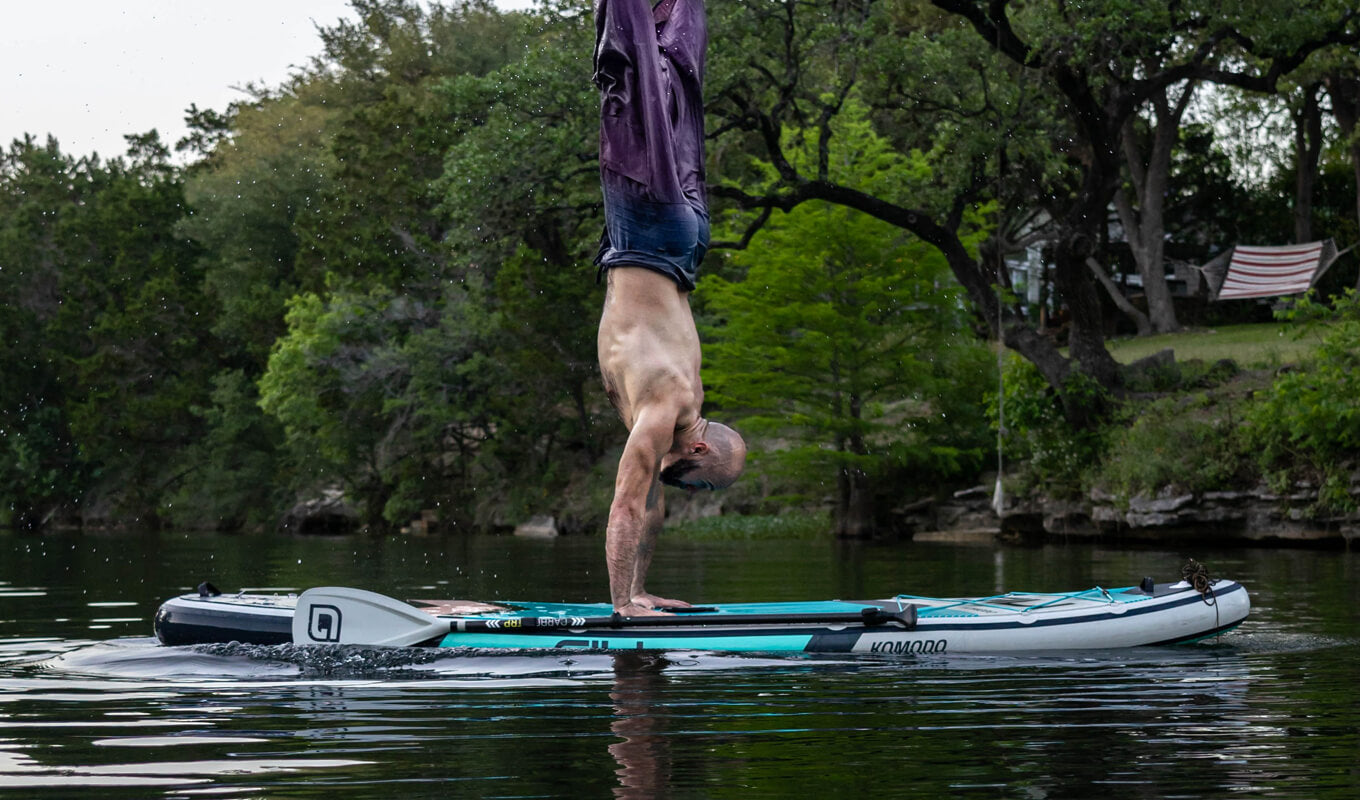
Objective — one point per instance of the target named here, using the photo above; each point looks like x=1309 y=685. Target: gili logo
x=323 y=624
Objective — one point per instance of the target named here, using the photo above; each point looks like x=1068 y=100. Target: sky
x=90 y=71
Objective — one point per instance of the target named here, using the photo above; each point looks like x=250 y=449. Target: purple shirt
x=649 y=65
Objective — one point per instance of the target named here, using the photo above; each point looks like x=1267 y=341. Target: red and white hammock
x=1275 y=271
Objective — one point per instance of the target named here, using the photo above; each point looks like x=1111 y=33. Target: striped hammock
x=1271 y=271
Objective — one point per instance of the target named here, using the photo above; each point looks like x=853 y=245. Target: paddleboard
x=1097 y=618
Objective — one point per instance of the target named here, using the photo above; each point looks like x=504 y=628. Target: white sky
x=90 y=71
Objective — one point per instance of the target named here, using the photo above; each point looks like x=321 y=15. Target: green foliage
x=440 y=351
x=234 y=478
x=378 y=218
x=144 y=357
x=248 y=202
x=523 y=172
x=1212 y=207
x=1035 y=430
x=329 y=383
x=1308 y=422
x=448 y=405
x=39 y=470
x=1190 y=443
x=39 y=189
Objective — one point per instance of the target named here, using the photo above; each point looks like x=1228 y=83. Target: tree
x=1107 y=60
x=139 y=352
x=1343 y=88
x=846 y=339
x=1141 y=203
x=249 y=200
x=379 y=220
x=522 y=207
x=329 y=384
x=1307 y=118
x=106 y=352
x=1091 y=63
x=796 y=64
x=40 y=466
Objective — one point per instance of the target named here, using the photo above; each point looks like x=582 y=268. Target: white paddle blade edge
x=339 y=615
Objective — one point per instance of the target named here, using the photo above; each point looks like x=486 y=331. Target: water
x=91 y=706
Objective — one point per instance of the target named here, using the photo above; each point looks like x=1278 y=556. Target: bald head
x=713 y=462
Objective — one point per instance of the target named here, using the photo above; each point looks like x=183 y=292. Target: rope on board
x=1197 y=575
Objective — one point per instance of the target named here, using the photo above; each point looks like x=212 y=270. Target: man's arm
x=636 y=514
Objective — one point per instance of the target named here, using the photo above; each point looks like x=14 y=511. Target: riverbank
x=1250 y=435
x=1258 y=516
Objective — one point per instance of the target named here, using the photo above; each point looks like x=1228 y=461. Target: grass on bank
x=735 y=527
x=1252 y=346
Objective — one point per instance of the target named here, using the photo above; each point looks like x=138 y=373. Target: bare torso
x=649 y=348
x=649 y=359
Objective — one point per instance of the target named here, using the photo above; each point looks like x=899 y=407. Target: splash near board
x=1097 y=618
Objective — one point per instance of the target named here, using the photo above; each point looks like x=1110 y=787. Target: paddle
x=339 y=615
x=334 y=614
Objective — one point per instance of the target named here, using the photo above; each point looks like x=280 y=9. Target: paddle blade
x=339 y=615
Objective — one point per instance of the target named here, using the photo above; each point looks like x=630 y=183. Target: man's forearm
x=637 y=506
x=630 y=539
x=623 y=539
x=651 y=529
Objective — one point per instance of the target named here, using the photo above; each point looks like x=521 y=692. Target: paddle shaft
x=869 y=617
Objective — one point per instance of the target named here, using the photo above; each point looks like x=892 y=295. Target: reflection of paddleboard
x=1017 y=621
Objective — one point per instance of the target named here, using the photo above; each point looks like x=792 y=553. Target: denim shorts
x=670 y=238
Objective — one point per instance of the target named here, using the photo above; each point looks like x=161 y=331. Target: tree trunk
x=854 y=505
x=1140 y=320
x=584 y=419
x=1086 y=340
x=1345 y=93
x=854 y=499
x=1307 y=150
x=1145 y=226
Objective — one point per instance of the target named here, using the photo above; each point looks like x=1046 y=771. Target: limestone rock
x=542 y=526
x=330 y=513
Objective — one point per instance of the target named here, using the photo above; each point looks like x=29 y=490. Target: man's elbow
x=627 y=512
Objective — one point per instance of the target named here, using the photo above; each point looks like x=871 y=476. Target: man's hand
x=649 y=605
x=652 y=601
x=637 y=610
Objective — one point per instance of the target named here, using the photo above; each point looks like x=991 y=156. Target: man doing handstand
x=649 y=65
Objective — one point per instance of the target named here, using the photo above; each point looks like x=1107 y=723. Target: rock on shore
x=1259 y=515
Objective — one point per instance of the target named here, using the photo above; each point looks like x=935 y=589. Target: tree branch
x=1139 y=318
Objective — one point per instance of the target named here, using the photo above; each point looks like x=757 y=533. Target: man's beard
x=671 y=475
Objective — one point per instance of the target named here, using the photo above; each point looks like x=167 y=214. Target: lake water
x=90 y=705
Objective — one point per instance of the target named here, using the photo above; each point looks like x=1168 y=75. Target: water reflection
x=133 y=714
x=7 y=590
x=643 y=756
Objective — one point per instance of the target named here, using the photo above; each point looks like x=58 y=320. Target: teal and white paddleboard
x=1097 y=618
